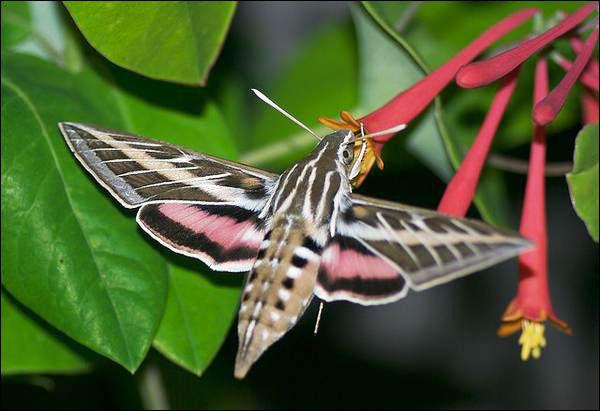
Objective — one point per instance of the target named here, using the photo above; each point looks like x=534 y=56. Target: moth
x=300 y=234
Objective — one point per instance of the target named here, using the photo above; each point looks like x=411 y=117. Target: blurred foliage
x=80 y=280
x=16 y=23
x=583 y=179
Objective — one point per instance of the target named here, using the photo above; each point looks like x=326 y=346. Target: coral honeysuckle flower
x=577 y=46
x=532 y=306
x=460 y=190
x=588 y=78
x=547 y=109
x=589 y=103
x=413 y=101
x=589 y=98
x=487 y=71
x=410 y=103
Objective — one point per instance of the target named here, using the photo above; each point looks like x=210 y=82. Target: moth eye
x=347 y=154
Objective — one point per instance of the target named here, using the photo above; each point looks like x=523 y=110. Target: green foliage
x=388 y=64
x=93 y=274
x=31 y=346
x=329 y=85
x=60 y=254
x=200 y=308
x=583 y=179
x=16 y=23
x=176 y=41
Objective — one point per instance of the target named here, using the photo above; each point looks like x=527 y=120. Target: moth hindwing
x=299 y=234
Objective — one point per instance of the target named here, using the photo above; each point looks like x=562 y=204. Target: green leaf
x=169 y=112
x=200 y=308
x=174 y=41
x=68 y=252
x=16 y=23
x=583 y=179
x=45 y=33
x=29 y=345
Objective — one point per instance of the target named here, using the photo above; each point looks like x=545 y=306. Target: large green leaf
x=68 y=252
x=117 y=99
x=31 y=346
x=583 y=179
x=169 y=112
x=200 y=308
x=176 y=41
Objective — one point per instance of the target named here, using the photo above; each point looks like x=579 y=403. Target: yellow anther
x=532 y=340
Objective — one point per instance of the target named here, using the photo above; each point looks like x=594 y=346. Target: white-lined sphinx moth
x=298 y=234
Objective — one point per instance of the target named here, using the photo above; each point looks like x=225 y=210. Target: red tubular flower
x=577 y=46
x=485 y=72
x=589 y=103
x=411 y=102
x=532 y=305
x=589 y=99
x=546 y=110
x=587 y=78
x=461 y=189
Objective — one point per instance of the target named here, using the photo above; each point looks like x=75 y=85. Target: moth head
x=348 y=150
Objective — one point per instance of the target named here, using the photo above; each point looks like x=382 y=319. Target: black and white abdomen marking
x=278 y=290
x=280 y=285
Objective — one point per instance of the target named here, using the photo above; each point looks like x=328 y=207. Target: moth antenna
x=318 y=318
x=282 y=111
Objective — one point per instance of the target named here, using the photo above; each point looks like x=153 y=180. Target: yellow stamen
x=532 y=340
x=371 y=156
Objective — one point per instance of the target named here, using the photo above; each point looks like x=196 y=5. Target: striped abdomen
x=278 y=289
